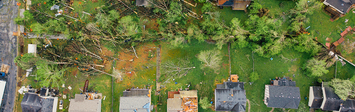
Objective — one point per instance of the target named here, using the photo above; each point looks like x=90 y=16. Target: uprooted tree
x=211 y=59
x=177 y=69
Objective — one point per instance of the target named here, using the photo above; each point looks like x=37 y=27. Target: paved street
x=8 y=50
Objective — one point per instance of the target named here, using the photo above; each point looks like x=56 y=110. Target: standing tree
x=343 y=88
x=305 y=43
x=204 y=103
x=254 y=76
x=211 y=59
x=315 y=68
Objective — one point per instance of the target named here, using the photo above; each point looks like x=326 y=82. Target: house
x=136 y=100
x=338 y=8
x=283 y=93
x=2 y=90
x=182 y=101
x=142 y=3
x=230 y=96
x=348 y=106
x=33 y=102
x=324 y=98
x=88 y=102
x=315 y=97
x=235 y=4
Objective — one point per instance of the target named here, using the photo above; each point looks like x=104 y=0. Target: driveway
x=8 y=50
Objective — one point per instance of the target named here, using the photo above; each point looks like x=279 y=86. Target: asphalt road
x=8 y=50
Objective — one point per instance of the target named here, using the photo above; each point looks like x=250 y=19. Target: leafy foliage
x=204 y=103
x=305 y=43
x=207 y=7
x=254 y=8
x=266 y=36
x=315 y=68
x=211 y=59
x=343 y=88
x=50 y=74
x=26 y=61
x=254 y=76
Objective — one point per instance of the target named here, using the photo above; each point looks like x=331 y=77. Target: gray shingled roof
x=283 y=97
x=141 y=2
x=31 y=102
x=129 y=104
x=348 y=106
x=341 y=5
x=284 y=82
x=136 y=92
x=225 y=101
x=332 y=101
x=318 y=97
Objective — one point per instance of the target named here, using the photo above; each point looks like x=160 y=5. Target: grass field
x=322 y=27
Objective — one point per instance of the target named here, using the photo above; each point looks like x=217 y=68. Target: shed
x=235 y=4
x=341 y=40
x=32 y=48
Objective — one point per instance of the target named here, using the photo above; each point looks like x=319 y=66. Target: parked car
x=61 y=104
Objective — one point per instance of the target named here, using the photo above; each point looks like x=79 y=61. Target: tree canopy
x=343 y=88
x=315 y=68
x=204 y=103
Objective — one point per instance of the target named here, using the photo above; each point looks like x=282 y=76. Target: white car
x=61 y=104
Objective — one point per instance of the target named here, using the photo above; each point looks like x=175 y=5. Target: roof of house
x=32 y=48
x=230 y=96
x=317 y=97
x=348 y=106
x=284 y=82
x=84 y=103
x=339 y=41
x=283 y=97
x=341 y=6
x=136 y=92
x=85 y=106
x=174 y=104
x=231 y=85
x=141 y=2
x=190 y=93
x=141 y=103
x=331 y=101
x=236 y=4
x=2 y=89
x=32 y=102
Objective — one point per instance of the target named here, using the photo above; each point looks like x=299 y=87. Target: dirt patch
x=294 y=68
x=153 y=24
x=106 y=52
x=129 y=62
x=74 y=72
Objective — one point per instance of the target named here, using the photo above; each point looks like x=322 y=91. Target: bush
x=254 y=76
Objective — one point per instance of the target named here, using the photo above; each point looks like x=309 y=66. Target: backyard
x=137 y=63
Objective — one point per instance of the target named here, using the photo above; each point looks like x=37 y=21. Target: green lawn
x=196 y=76
x=322 y=27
